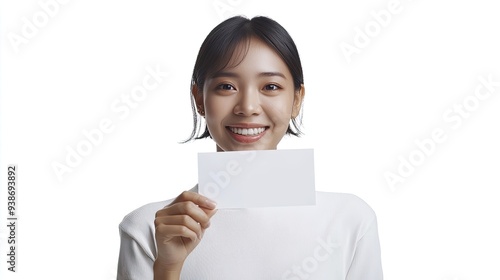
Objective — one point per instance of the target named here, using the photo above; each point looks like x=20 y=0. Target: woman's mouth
x=247 y=134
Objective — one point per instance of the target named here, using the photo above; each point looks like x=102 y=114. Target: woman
x=248 y=85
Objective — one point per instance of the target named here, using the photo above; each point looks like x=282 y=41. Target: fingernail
x=211 y=203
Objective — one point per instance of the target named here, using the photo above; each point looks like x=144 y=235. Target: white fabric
x=335 y=239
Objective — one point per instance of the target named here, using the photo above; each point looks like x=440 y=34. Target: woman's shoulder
x=137 y=231
x=345 y=205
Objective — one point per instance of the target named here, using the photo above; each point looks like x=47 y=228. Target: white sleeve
x=366 y=263
x=133 y=262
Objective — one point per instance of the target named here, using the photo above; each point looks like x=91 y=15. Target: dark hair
x=220 y=45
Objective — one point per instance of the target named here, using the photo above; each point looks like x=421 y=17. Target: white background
x=360 y=117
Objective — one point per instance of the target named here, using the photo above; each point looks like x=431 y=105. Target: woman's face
x=249 y=106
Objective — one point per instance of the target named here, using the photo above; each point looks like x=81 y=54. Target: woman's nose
x=248 y=103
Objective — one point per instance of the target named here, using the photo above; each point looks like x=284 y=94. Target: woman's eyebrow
x=235 y=75
x=268 y=74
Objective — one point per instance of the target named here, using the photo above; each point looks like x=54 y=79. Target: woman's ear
x=297 y=101
x=198 y=99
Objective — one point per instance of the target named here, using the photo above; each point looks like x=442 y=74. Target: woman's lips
x=246 y=134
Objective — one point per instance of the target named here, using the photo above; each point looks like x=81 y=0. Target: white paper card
x=264 y=178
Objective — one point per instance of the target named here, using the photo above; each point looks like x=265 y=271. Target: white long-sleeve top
x=335 y=239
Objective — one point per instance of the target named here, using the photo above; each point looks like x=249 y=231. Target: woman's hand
x=179 y=229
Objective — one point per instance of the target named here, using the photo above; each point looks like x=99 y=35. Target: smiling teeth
x=247 y=131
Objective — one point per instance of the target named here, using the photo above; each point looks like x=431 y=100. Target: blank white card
x=264 y=178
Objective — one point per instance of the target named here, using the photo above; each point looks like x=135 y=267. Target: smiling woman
x=248 y=105
x=248 y=85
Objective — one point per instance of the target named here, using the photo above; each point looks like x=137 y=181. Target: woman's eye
x=271 y=87
x=226 y=87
